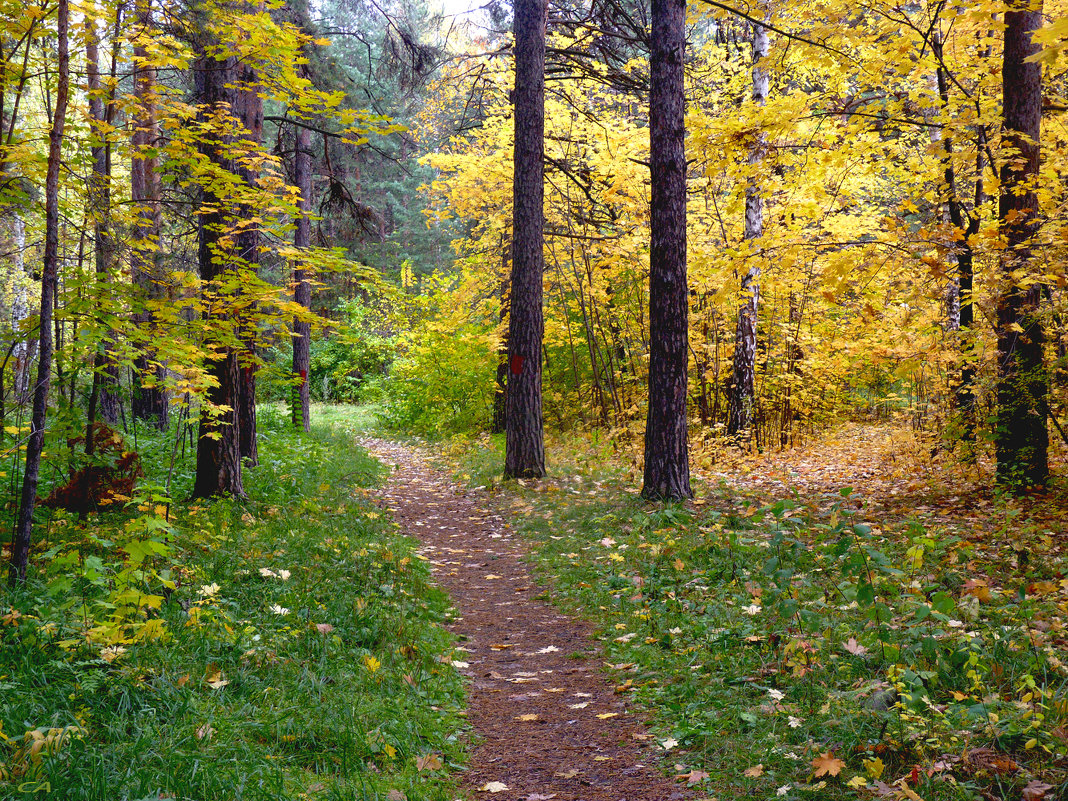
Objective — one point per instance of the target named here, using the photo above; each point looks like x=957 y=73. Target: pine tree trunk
x=105 y=400
x=667 y=467
x=302 y=169
x=218 y=464
x=150 y=402
x=743 y=383
x=525 y=448
x=247 y=106
x=20 y=544
x=1021 y=438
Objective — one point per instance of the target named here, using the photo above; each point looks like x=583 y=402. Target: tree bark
x=218 y=465
x=1021 y=439
x=667 y=467
x=150 y=402
x=743 y=383
x=524 y=443
x=20 y=545
x=104 y=400
x=302 y=173
x=247 y=106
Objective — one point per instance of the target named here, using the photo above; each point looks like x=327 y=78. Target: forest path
x=545 y=719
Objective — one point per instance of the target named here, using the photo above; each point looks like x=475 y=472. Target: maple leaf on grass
x=827 y=764
x=428 y=762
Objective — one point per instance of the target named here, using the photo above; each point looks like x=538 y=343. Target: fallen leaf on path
x=494 y=787
x=548 y=649
x=583 y=705
x=502 y=646
x=540 y=797
x=827 y=765
x=570 y=774
x=602 y=759
x=527 y=718
x=606 y=715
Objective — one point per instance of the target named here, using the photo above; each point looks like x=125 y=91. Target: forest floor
x=547 y=722
x=864 y=616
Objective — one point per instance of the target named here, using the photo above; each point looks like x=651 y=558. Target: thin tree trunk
x=20 y=545
x=524 y=443
x=302 y=173
x=1021 y=438
x=20 y=310
x=667 y=467
x=743 y=382
x=150 y=402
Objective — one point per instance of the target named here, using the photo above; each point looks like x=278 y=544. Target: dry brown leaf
x=827 y=765
x=526 y=718
x=570 y=774
x=754 y=771
x=1036 y=791
x=693 y=777
x=540 y=797
x=205 y=731
x=854 y=647
x=396 y=795
x=428 y=762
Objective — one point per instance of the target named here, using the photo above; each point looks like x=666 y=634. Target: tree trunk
x=20 y=545
x=150 y=401
x=218 y=468
x=302 y=173
x=105 y=400
x=743 y=383
x=247 y=106
x=20 y=310
x=1021 y=438
x=525 y=447
x=667 y=467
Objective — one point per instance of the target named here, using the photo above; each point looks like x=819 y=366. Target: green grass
x=765 y=635
x=285 y=647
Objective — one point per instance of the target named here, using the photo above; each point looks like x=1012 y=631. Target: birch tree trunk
x=743 y=382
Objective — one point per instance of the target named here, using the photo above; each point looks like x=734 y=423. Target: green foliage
x=442 y=380
x=264 y=650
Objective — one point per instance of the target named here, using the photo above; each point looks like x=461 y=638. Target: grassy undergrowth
x=791 y=648
x=288 y=646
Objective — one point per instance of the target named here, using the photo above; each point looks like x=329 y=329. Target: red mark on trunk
x=517 y=364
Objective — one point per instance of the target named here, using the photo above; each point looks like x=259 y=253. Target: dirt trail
x=546 y=721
